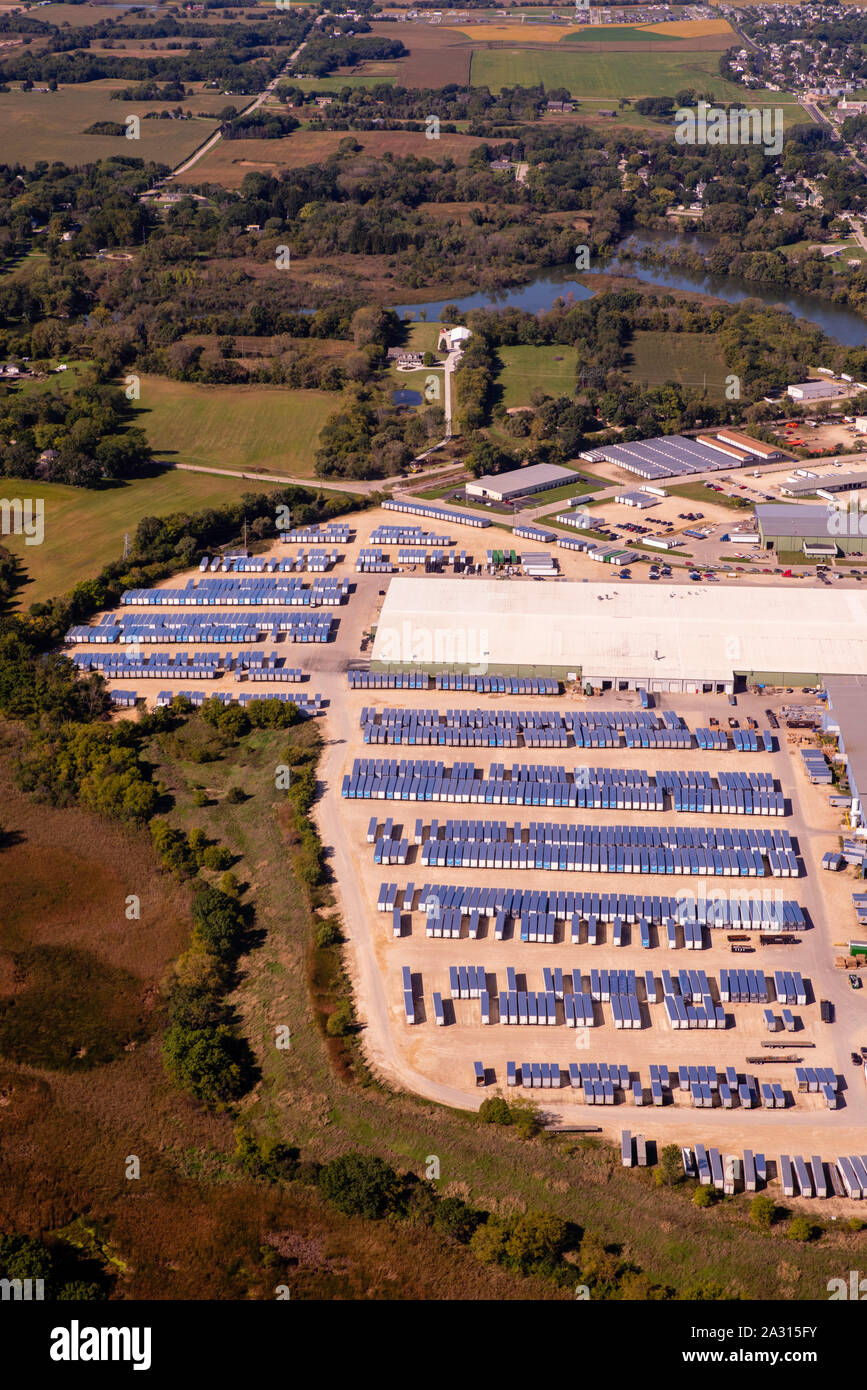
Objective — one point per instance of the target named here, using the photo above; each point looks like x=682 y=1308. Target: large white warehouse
x=622 y=636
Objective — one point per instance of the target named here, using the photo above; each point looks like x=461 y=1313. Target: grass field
x=608 y=76
x=550 y=369
x=687 y=358
x=84 y=529
x=230 y=161
x=257 y=428
x=50 y=125
x=80 y=1074
x=697 y=492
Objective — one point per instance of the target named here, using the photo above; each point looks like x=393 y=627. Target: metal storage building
x=499 y=487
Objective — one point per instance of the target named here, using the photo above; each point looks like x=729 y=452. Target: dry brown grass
x=190 y=1227
x=230 y=160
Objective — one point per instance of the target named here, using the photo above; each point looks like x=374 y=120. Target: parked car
x=855 y=981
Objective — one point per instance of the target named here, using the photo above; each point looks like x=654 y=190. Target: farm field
x=257 y=428
x=353 y=77
x=85 y=529
x=437 y=56
x=230 y=161
x=49 y=125
x=525 y=369
x=681 y=357
x=611 y=75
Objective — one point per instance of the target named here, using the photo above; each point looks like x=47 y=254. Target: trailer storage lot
x=438 y=1060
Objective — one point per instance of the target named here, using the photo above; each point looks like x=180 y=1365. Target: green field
x=624 y=33
x=334 y=84
x=690 y=359
x=50 y=125
x=254 y=428
x=84 y=529
x=697 y=492
x=551 y=369
x=607 y=76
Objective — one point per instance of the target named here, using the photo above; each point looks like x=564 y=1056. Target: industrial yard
x=447 y=1052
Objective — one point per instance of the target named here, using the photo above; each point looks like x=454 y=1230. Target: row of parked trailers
x=240 y=591
x=690 y=986
x=484 y=728
x=408 y=535
x=441 y=515
x=669 y=850
x=306 y=704
x=816 y=767
x=799 y=1176
x=421 y=680
x=600 y=721
x=332 y=533
x=372 y=560
x=314 y=561
x=585 y=788
x=536 y=927
x=732 y=913
x=298 y=627
x=599 y=1080
x=199 y=665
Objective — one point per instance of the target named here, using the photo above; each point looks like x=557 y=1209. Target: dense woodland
x=199 y=277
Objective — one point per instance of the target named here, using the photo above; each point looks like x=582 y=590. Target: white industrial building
x=622 y=636
x=814 y=390
x=499 y=487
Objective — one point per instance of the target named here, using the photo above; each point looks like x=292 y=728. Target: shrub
x=212 y=1064
x=219 y=923
x=525 y=1117
x=670 y=1166
x=340 y=1021
x=495 y=1111
x=359 y=1185
x=230 y=885
x=236 y=795
x=762 y=1212
x=703 y=1197
x=200 y=797
x=327 y=933
x=217 y=857
x=454 y=1219
x=800 y=1229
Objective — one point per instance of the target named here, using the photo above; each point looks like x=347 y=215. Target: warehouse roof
x=792 y=519
x=518 y=479
x=829 y=482
x=631 y=631
x=847 y=698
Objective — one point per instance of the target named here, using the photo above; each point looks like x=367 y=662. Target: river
x=838 y=323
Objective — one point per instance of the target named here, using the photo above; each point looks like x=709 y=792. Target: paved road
x=254 y=105
x=360 y=486
x=821 y=119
